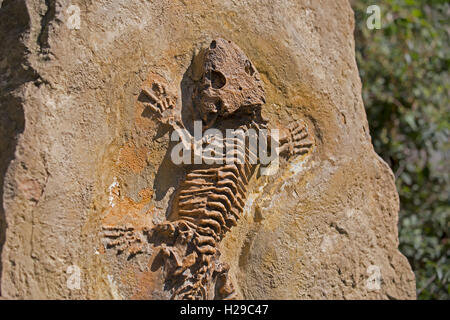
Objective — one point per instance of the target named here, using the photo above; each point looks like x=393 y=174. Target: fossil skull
x=228 y=82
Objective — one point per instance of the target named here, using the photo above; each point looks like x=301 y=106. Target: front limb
x=163 y=104
x=295 y=139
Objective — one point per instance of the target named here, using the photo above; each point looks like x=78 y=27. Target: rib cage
x=209 y=203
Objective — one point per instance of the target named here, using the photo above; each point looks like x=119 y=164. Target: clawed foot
x=161 y=102
x=123 y=239
x=298 y=140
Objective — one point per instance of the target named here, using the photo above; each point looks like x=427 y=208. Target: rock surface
x=82 y=153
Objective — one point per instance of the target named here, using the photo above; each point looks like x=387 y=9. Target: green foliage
x=404 y=70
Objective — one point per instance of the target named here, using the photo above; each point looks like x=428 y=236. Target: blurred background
x=404 y=71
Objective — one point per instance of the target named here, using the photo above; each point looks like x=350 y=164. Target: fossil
x=228 y=94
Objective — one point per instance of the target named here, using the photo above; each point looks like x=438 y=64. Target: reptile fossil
x=228 y=94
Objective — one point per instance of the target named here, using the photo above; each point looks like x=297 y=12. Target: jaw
x=248 y=114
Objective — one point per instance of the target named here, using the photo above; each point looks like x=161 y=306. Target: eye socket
x=218 y=80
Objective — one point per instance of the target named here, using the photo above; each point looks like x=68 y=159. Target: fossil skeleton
x=228 y=94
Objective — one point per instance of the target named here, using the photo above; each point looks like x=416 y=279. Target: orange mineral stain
x=123 y=211
x=132 y=158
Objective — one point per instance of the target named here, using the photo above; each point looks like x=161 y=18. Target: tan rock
x=83 y=156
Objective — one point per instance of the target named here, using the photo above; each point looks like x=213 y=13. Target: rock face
x=85 y=165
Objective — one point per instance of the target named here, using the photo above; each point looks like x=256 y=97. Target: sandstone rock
x=84 y=162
